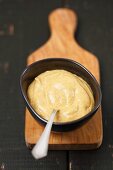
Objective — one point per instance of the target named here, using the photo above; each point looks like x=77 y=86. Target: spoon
x=41 y=148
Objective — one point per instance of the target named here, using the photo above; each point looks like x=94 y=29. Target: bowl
x=74 y=67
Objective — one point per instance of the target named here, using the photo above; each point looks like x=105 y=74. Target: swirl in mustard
x=63 y=91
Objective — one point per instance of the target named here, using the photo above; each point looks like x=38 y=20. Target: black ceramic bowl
x=41 y=66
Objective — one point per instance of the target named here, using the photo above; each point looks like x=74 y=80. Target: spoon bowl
x=74 y=67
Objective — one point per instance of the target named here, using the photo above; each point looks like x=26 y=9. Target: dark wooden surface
x=23 y=28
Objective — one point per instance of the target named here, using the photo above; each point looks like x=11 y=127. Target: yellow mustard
x=62 y=91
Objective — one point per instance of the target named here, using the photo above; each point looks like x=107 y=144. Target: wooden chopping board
x=63 y=24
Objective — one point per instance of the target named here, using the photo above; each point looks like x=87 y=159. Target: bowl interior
x=51 y=64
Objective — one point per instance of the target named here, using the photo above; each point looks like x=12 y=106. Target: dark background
x=23 y=28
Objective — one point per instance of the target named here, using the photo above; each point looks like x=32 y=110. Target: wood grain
x=63 y=24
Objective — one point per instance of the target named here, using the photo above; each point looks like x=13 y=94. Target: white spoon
x=41 y=148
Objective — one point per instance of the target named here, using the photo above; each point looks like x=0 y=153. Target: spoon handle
x=41 y=148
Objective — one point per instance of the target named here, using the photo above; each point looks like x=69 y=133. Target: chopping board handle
x=63 y=22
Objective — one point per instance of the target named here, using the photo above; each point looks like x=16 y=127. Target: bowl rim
x=69 y=122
